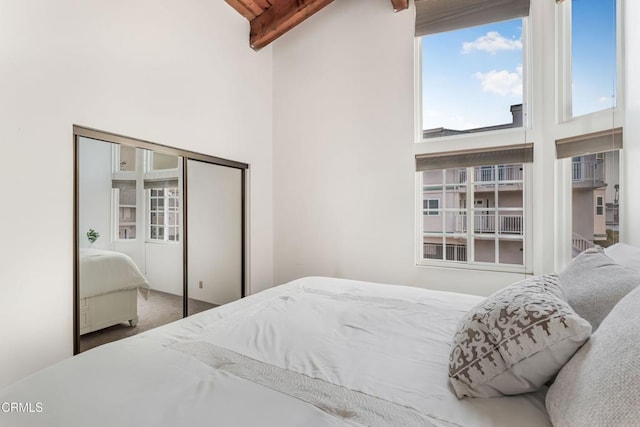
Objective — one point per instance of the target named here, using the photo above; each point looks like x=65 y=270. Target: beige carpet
x=159 y=309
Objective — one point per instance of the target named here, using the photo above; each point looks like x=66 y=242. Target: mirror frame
x=81 y=131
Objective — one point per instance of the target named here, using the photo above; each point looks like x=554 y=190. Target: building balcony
x=491 y=174
x=587 y=173
x=452 y=252
x=486 y=223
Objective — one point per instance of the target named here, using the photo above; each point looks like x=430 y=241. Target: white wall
x=176 y=73
x=344 y=164
x=94 y=176
x=163 y=267
x=630 y=173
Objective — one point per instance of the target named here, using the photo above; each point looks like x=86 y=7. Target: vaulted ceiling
x=269 y=19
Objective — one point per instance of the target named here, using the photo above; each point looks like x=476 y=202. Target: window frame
x=115 y=226
x=567 y=126
x=492 y=138
x=499 y=136
x=427 y=211
x=123 y=175
x=564 y=76
x=527 y=240
x=545 y=92
x=165 y=226
x=599 y=205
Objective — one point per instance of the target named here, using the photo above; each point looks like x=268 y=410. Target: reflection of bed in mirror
x=109 y=284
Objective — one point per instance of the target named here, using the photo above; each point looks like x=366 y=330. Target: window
x=472 y=79
x=431 y=206
x=126 y=158
x=593 y=55
x=589 y=91
x=491 y=230
x=164 y=214
x=124 y=171
x=584 y=92
x=160 y=161
x=599 y=205
x=595 y=186
x=126 y=212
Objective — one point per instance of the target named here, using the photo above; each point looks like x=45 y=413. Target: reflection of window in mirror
x=163 y=161
x=126 y=227
x=164 y=214
x=127 y=159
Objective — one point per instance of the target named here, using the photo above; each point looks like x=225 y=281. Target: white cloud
x=503 y=82
x=492 y=42
x=605 y=99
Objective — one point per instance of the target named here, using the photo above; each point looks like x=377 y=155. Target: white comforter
x=314 y=352
x=102 y=272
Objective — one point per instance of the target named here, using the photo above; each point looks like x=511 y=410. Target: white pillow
x=516 y=340
x=624 y=254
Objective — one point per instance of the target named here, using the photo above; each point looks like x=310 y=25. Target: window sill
x=452 y=265
x=159 y=242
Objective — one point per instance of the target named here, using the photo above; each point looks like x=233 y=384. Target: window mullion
x=471 y=220
x=443 y=220
x=496 y=214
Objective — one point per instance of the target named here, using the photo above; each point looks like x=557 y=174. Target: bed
x=109 y=284
x=313 y=352
x=322 y=351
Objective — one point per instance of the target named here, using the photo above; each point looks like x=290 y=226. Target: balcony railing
x=587 y=170
x=486 y=223
x=453 y=252
x=491 y=174
x=580 y=244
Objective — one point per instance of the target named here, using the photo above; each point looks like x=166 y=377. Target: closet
x=159 y=234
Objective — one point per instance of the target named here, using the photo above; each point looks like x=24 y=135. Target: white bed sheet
x=385 y=342
x=102 y=272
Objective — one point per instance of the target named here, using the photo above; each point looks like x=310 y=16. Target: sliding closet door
x=214 y=225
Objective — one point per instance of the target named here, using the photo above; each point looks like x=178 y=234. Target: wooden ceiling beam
x=399 y=5
x=264 y=4
x=282 y=16
x=242 y=9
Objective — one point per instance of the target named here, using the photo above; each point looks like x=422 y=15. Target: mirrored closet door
x=159 y=235
x=215 y=234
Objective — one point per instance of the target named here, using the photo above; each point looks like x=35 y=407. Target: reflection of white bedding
x=314 y=352
x=102 y=272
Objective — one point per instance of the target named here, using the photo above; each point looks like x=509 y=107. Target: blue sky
x=471 y=77
x=594 y=47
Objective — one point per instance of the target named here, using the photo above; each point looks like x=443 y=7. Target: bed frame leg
x=133 y=322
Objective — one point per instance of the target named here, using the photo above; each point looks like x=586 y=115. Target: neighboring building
x=498 y=225
x=516 y=113
x=595 y=188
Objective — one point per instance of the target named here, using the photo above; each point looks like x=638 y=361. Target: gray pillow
x=516 y=340
x=624 y=254
x=600 y=385
x=593 y=283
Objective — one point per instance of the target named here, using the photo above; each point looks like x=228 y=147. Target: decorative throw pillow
x=516 y=340
x=600 y=385
x=593 y=284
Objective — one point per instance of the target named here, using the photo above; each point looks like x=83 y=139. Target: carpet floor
x=159 y=309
